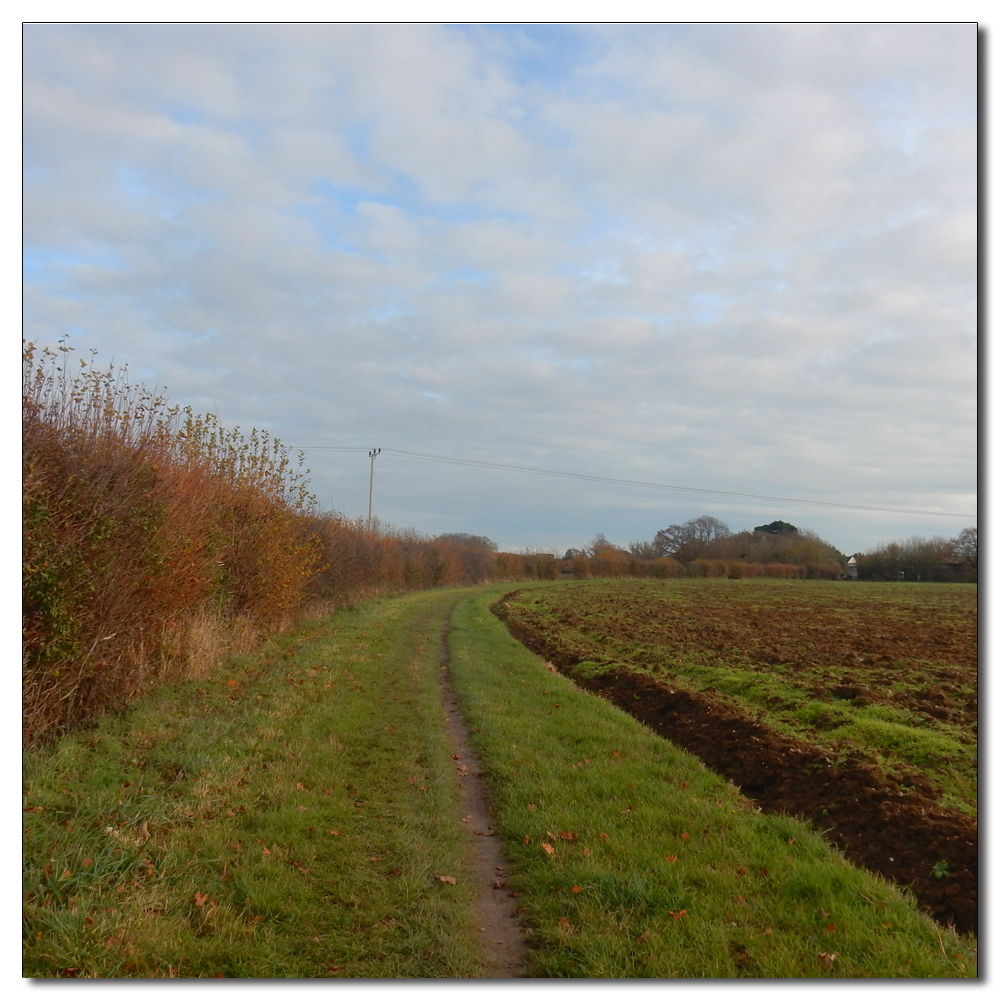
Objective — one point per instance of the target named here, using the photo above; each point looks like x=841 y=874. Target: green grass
x=192 y=837
x=668 y=873
x=892 y=736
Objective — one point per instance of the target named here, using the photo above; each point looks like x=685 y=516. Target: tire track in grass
x=502 y=934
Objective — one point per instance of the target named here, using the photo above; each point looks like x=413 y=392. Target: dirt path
x=501 y=931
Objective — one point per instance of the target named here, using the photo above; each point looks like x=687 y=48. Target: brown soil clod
x=501 y=930
x=897 y=833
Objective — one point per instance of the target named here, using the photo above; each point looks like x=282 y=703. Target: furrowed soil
x=910 y=649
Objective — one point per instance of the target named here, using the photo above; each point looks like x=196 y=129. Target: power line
x=636 y=482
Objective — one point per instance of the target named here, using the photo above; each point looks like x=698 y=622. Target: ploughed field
x=853 y=705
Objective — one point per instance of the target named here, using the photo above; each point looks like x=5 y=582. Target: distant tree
x=915 y=558
x=643 y=550
x=688 y=540
x=777 y=528
x=573 y=553
x=600 y=544
x=966 y=546
x=468 y=541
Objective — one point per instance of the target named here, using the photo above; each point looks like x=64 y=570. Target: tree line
x=154 y=541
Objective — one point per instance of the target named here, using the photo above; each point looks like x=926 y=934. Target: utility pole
x=371 y=485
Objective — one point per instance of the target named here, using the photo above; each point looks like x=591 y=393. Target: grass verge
x=289 y=816
x=633 y=860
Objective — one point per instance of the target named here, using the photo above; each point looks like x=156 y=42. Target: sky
x=733 y=258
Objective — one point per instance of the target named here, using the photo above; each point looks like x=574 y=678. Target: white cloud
x=737 y=257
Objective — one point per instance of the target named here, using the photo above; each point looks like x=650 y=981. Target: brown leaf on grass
x=87 y=862
x=200 y=898
x=526 y=838
x=300 y=786
x=33 y=809
x=685 y=836
x=671 y=858
x=564 y=922
x=549 y=849
x=576 y=888
x=826 y=959
x=266 y=852
x=531 y=805
x=604 y=836
x=566 y=835
x=334 y=833
x=586 y=852
x=678 y=914
x=448 y=879
x=642 y=937
x=831 y=928
x=333 y=969
x=682 y=785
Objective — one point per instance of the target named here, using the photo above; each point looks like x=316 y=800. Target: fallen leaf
x=678 y=914
x=87 y=862
x=334 y=833
x=576 y=888
x=299 y=786
x=200 y=898
x=826 y=959
x=564 y=922
x=231 y=683
x=525 y=838
x=604 y=836
x=670 y=858
x=549 y=849
x=586 y=851
x=531 y=805
x=832 y=928
x=333 y=968
x=791 y=840
x=685 y=836
x=566 y=835
x=642 y=937
x=266 y=852
x=448 y=879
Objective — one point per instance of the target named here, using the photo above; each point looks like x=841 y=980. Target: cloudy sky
x=731 y=258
